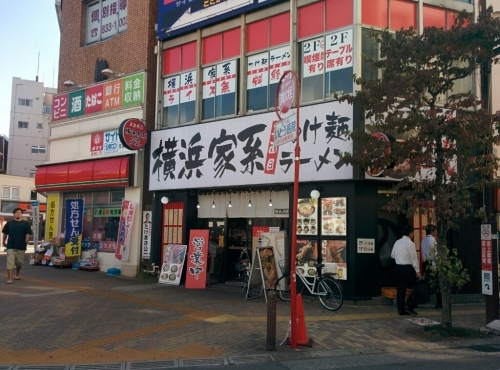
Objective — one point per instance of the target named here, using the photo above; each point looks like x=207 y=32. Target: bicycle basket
x=284 y=266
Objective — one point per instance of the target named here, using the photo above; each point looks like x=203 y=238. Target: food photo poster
x=334 y=216
x=334 y=255
x=173 y=263
x=307 y=256
x=307 y=216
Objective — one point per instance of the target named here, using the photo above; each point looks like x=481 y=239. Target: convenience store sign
x=118 y=93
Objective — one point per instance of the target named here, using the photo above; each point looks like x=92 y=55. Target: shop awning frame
x=90 y=174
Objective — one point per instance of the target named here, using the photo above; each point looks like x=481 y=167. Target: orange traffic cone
x=302 y=339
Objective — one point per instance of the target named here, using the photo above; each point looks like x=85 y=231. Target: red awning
x=99 y=173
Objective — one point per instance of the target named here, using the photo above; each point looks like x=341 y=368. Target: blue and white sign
x=177 y=16
x=285 y=131
x=35 y=209
x=74 y=227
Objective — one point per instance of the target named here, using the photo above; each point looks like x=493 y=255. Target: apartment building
x=31 y=109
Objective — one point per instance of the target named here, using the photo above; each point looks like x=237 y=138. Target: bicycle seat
x=319 y=265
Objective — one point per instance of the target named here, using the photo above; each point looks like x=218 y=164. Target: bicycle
x=326 y=287
x=243 y=267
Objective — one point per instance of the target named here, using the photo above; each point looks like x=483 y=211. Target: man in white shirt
x=407 y=268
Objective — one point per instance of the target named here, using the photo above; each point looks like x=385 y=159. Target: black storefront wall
x=363 y=269
x=366 y=272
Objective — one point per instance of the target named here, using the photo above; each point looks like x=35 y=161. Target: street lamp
x=110 y=73
x=70 y=83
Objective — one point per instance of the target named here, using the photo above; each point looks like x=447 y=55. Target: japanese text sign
x=196 y=273
x=366 y=245
x=146 y=234
x=125 y=229
x=241 y=150
x=74 y=227
x=118 y=93
x=52 y=216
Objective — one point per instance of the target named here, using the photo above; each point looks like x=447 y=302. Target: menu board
x=268 y=266
x=334 y=216
x=334 y=255
x=307 y=256
x=173 y=263
x=307 y=216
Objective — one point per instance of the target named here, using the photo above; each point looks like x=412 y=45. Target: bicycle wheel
x=282 y=287
x=330 y=294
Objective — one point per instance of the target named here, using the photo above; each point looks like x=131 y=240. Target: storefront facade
x=213 y=156
x=89 y=162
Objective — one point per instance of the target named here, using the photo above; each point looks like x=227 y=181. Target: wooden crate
x=390 y=292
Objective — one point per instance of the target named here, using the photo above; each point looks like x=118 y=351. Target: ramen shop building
x=213 y=153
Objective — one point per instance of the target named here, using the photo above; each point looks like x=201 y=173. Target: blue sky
x=27 y=27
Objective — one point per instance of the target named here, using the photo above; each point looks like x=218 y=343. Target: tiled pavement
x=65 y=316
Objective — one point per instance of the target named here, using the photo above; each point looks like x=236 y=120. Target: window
x=369 y=48
x=38 y=149
x=22 y=124
x=105 y=19
x=101 y=218
x=263 y=73
x=47 y=109
x=39 y=125
x=179 y=98
x=10 y=192
x=32 y=173
x=117 y=196
x=33 y=194
x=179 y=93
x=327 y=65
x=25 y=102
x=220 y=84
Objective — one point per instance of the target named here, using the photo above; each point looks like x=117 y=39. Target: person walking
x=428 y=260
x=16 y=234
x=407 y=269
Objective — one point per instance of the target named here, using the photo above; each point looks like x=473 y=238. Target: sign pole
x=287 y=92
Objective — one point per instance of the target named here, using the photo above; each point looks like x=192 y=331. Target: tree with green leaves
x=428 y=130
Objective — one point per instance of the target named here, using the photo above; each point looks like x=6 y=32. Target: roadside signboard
x=285 y=130
x=486 y=260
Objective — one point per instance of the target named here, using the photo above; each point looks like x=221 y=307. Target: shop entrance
x=237 y=239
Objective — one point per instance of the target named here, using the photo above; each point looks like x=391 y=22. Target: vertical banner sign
x=173 y=263
x=486 y=260
x=51 y=218
x=146 y=235
x=36 y=222
x=125 y=229
x=74 y=227
x=196 y=275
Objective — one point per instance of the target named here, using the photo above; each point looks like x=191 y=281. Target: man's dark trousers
x=407 y=278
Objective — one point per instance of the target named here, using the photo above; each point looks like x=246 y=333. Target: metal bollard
x=271 y=321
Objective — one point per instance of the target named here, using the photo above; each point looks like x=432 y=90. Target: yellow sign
x=52 y=216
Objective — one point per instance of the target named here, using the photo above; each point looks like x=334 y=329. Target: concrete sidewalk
x=65 y=316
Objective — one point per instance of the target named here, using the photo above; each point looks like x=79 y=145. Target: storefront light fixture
x=270 y=199
x=230 y=205
x=315 y=194
x=198 y=205
x=249 y=202
x=213 y=204
x=164 y=200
